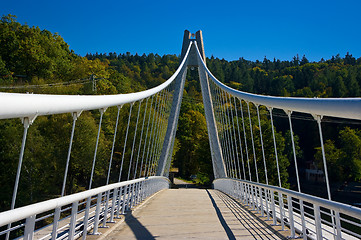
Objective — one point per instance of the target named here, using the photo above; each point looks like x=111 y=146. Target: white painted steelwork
x=144 y=187
x=18 y=105
x=333 y=107
x=304 y=213
x=318 y=226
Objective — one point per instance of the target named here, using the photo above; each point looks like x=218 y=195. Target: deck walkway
x=192 y=213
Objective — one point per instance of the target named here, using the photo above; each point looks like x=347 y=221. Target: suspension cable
x=239 y=138
x=275 y=147
x=125 y=141
x=145 y=139
x=96 y=148
x=261 y=139
x=134 y=138
x=254 y=151
x=113 y=145
x=140 y=139
x=245 y=141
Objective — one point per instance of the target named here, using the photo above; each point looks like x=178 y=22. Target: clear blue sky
x=231 y=29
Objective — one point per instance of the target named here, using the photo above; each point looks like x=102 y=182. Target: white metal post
x=114 y=201
x=290 y=216
x=29 y=228
x=119 y=201
x=97 y=213
x=55 y=222
x=316 y=209
x=72 y=224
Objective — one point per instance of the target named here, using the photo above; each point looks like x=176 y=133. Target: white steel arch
x=333 y=107
x=18 y=105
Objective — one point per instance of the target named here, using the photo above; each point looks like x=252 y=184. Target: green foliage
x=338 y=77
x=31 y=56
x=193 y=156
x=343 y=159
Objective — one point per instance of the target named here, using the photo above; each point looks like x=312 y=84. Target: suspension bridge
x=242 y=205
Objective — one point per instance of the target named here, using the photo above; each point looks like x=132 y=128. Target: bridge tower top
x=198 y=38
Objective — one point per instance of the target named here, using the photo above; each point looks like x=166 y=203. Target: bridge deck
x=192 y=213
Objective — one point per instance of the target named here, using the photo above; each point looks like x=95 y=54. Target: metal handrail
x=341 y=207
x=37 y=208
x=317 y=223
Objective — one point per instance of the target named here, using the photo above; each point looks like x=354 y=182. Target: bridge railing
x=88 y=210
x=147 y=137
x=247 y=162
x=306 y=215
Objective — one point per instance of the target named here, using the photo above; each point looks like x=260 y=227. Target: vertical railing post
x=290 y=216
x=247 y=194
x=114 y=201
x=29 y=228
x=72 y=224
x=125 y=190
x=106 y=207
x=304 y=232
x=55 y=222
x=119 y=201
x=267 y=203
x=129 y=197
x=86 y=218
x=318 y=221
x=338 y=225
x=97 y=213
x=274 y=217
x=281 y=206
x=261 y=200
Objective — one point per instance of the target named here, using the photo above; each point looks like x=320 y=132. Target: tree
x=193 y=156
x=334 y=158
x=351 y=147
